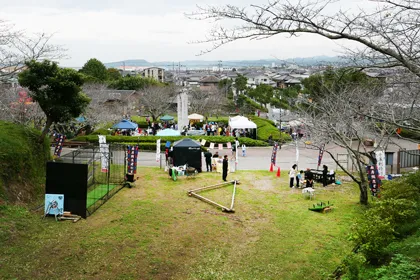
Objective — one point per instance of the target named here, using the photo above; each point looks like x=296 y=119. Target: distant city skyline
x=114 y=31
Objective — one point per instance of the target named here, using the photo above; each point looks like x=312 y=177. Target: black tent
x=187 y=151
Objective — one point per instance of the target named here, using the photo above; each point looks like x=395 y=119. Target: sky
x=152 y=30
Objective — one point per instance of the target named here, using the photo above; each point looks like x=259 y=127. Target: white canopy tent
x=196 y=117
x=240 y=122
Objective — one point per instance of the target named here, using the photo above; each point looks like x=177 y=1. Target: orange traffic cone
x=271 y=167
x=278 y=172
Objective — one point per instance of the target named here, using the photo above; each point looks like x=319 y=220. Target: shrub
x=22 y=162
x=392 y=216
x=101 y=131
x=265 y=128
x=410 y=134
x=150 y=139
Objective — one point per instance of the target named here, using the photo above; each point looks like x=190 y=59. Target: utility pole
x=220 y=65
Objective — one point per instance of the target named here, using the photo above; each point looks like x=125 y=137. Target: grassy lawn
x=156 y=231
x=97 y=193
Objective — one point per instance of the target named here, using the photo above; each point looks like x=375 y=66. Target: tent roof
x=125 y=124
x=234 y=119
x=242 y=123
x=195 y=117
x=187 y=142
x=168 y=132
x=166 y=118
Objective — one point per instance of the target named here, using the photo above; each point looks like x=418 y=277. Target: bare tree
x=16 y=106
x=388 y=37
x=16 y=47
x=105 y=105
x=335 y=119
x=207 y=102
x=156 y=100
x=389 y=34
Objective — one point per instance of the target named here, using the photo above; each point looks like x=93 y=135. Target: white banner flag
x=104 y=150
x=158 y=150
x=102 y=139
x=380 y=162
x=203 y=142
x=211 y=146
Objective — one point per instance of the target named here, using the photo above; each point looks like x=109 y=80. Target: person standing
x=299 y=179
x=208 y=156
x=225 y=168
x=243 y=150
x=292 y=174
x=324 y=175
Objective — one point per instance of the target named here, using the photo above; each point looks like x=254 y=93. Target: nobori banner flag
x=59 y=140
x=132 y=153
x=104 y=150
x=373 y=178
x=380 y=163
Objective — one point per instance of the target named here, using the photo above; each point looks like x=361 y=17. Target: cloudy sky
x=112 y=30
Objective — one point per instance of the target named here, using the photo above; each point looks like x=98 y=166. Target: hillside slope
x=22 y=163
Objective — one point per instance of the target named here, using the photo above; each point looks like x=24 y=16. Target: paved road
x=259 y=158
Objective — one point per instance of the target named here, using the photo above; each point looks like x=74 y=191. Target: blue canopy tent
x=125 y=124
x=168 y=132
x=166 y=118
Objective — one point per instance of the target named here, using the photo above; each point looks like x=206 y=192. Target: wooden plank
x=208 y=201
x=233 y=196
x=212 y=186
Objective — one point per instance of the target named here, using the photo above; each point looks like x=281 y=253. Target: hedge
x=410 y=134
x=149 y=146
x=101 y=131
x=152 y=139
x=265 y=128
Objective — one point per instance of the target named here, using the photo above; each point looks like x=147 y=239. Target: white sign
x=104 y=150
x=380 y=162
x=102 y=139
x=158 y=150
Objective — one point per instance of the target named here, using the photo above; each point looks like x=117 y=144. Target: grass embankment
x=156 y=231
x=22 y=163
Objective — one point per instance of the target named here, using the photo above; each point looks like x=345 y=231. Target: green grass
x=97 y=193
x=22 y=162
x=156 y=231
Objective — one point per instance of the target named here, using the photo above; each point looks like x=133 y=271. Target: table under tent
x=187 y=151
x=87 y=177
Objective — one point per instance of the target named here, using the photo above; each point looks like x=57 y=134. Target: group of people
x=215 y=129
x=306 y=177
x=209 y=166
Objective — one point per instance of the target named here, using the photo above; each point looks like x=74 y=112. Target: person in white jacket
x=292 y=175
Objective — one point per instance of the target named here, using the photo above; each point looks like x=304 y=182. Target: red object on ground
x=278 y=172
x=271 y=168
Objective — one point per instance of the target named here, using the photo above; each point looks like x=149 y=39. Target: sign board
x=380 y=163
x=54 y=204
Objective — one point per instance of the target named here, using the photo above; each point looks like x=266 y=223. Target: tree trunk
x=363 y=193
x=45 y=131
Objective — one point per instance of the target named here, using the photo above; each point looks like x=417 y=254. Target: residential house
x=111 y=97
x=209 y=82
x=255 y=79
x=156 y=73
